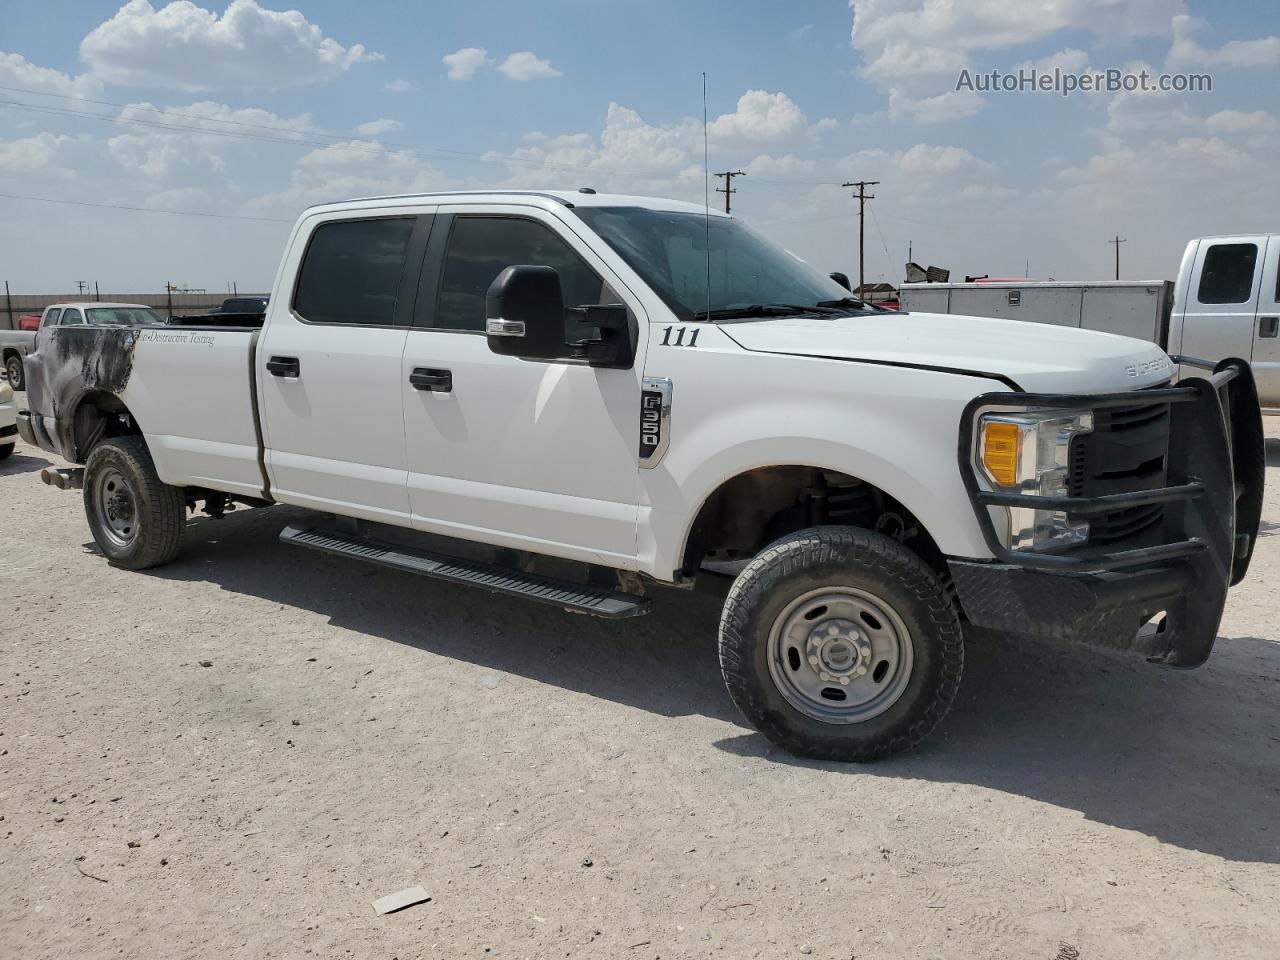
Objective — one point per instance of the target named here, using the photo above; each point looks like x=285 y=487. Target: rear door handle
x=284 y=367
x=429 y=378
x=1268 y=326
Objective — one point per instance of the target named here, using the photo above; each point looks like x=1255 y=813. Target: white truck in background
x=573 y=398
x=1225 y=303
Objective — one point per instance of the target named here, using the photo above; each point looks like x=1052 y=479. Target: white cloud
x=914 y=50
x=17 y=71
x=1186 y=50
x=919 y=161
x=380 y=127
x=399 y=86
x=952 y=105
x=527 y=66
x=464 y=63
x=186 y=47
x=1070 y=60
x=30 y=155
x=788 y=164
x=760 y=116
x=1227 y=122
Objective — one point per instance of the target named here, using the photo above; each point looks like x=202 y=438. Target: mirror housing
x=524 y=314
x=841 y=279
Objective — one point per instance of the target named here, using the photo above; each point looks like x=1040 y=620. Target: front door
x=328 y=367
x=1222 y=299
x=531 y=455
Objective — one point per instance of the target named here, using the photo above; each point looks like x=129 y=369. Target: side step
x=559 y=593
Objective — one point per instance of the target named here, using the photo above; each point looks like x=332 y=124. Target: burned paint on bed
x=72 y=363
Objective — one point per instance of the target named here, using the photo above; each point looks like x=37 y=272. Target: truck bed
x=191 y=389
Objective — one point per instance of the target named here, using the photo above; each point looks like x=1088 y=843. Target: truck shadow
x=20 y=461
x=1192 y=759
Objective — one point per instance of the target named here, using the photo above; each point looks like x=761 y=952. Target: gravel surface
x=235 y=755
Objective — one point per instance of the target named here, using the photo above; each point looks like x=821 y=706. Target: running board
x=559 y=593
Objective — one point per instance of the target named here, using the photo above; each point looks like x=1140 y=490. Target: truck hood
x=1038 y=358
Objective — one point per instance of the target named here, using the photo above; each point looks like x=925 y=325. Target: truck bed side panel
x=191 y=393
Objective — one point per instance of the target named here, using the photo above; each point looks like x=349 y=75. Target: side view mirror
x=525 y=317
x=524 y=314
x=841 y=279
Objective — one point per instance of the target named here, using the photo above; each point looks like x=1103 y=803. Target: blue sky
x=267 y=113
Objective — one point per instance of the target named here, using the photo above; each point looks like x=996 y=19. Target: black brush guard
x=1212 y=507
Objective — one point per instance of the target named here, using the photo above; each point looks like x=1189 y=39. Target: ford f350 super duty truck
x=573 y=397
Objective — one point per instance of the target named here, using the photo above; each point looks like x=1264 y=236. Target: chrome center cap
x=839 y=650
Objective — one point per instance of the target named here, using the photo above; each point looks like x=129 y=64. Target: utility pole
x=97 y=294
x=863 y=197
x=728 y=184
x=1117 y=241
x=81 y=285
x=910 y=258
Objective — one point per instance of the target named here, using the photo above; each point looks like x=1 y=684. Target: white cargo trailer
x=1132 y=308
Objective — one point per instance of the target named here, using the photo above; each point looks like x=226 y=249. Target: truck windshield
x=750 y=276
x=122 y=316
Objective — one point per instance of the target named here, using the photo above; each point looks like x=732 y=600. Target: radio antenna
x=707 y=199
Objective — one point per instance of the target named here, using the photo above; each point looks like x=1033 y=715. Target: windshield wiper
x=765 y=310
x=844 y=302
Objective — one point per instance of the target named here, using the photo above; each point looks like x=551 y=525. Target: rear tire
x=136 y=518
x=13 y=370
x=837 y=643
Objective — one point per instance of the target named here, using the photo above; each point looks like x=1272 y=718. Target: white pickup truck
x=573 y=397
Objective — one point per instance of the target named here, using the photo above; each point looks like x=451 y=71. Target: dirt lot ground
x=567 y=787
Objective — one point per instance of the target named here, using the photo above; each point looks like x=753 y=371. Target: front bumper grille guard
x=1216 y=467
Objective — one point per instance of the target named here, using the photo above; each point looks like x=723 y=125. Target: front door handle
x=284 y=367
x=429 y=378
x=1268 y=326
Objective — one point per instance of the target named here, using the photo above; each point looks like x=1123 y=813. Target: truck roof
x=549 y=199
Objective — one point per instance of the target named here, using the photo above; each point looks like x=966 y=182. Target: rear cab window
x=352 y=270
x=52 y=316
x=1227 y=273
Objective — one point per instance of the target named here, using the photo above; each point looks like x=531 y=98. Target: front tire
x=837 y=643
x=13 y=370
x=136 y=518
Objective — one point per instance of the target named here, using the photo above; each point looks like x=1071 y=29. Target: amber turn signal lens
x=1000 y=443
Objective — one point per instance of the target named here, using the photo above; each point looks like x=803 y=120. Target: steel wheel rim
x=14 y=368
x=116 y=507
x=840 y=655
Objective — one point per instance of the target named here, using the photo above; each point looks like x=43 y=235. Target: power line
x=862 y=197
x=728 y=185
x=880 y=233
x=121 y=206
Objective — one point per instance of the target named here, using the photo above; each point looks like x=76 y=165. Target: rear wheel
x=841 y=644
x=13 y=370
x=136 y=518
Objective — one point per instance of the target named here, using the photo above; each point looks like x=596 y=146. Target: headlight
x=1029 y=453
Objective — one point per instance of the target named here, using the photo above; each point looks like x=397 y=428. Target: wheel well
x=753 y=509
x=10 y=352
x=100 y=415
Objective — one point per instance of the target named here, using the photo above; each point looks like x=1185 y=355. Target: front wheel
x=136 y=518
x=838 y=643
x=13 y=370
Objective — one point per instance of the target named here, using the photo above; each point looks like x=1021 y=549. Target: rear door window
x=71 y=315
x=1227 y=274
x=351 y=272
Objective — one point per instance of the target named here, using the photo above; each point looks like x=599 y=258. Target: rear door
x=532 y=455
x=328 y=364
x=1266 y=342
x=1222 y=299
